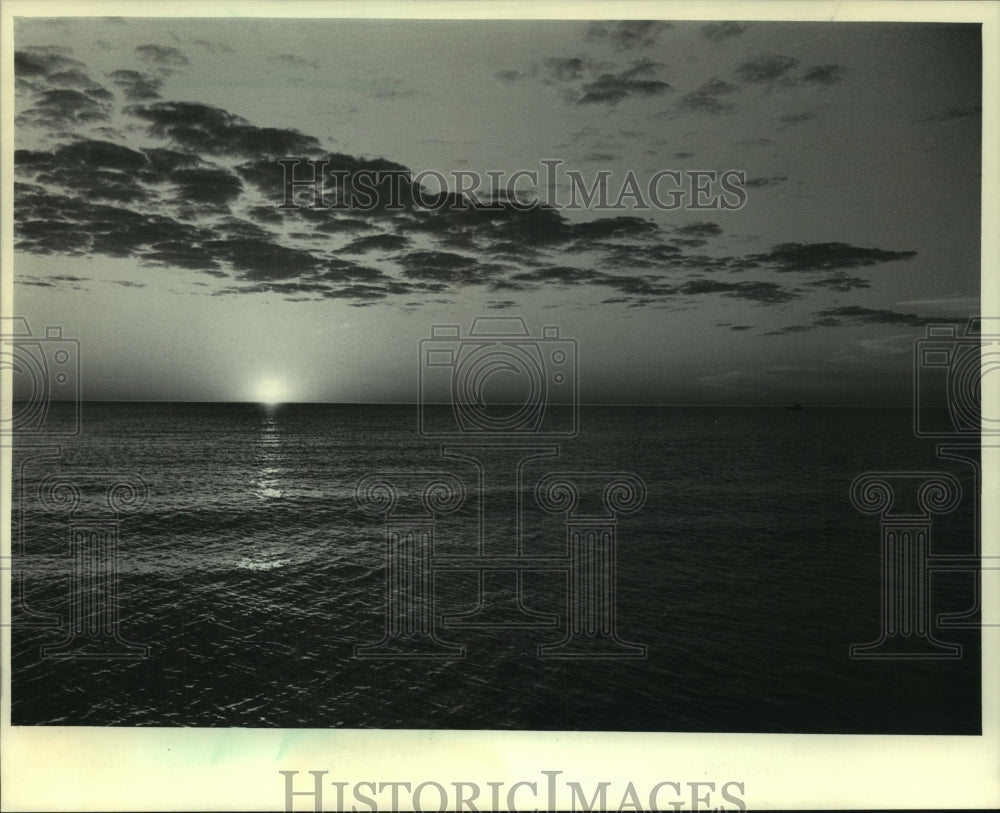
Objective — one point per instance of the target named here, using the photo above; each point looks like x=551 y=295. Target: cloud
x=955 y=113
x=65 y=108
x=376 y=242
x=706 y=98
x=565 y=69
x=164 y=57
x=201 y=195
x=207 y=129
x=791 y=119
x=138 y=86
x=841 y=283
x=293 y=61
x=878 y=316
x=100 y=169
x=559 y=275
x=583 y=85
x=825 y=256
x=764 y=181
x=628 y=34
x=825 y=74
x=55 y=223
x=766 y=68
x=509 y=76
x=447 y=267
x=207 y=185
x=718 y=32
x=76 y=78
x=700 y=229
x=41 y=62
x=784 y=331
x=256 y=259
x=212 y=47
x=610 y=89
x=768 y=293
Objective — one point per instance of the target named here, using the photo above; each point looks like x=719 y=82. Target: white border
x=235 y=769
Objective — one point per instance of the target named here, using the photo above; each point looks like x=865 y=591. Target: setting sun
x=271 y=391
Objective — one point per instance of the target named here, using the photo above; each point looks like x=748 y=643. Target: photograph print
x=540 y=375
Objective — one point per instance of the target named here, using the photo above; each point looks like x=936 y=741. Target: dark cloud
x=207 y=129
x=767 y=293
x=40 y=62
x=741 y=327
x=99 y=169
x=878 y=316
x=164 y=57
x=766 y=68
x=635 y=286
x=601 y=157
x=718 y=32
x=173 y=207
x=511 y=75
x=65 y=108
x=706 y=98
x=628 y=34
x=164 y=161
x=559 y=275
x=624 y=226
x=957 y=113
x=841 y=283
x=203 y=185
x=446 y=267
x=376 y=242
x=55 y=223
x=825 y=74
x=634 y=256
x=293 y=61
x=764 y=182
x=791 y=119
x=641 y=67
x=565 y=69
x=257 y=260
x=825 y=256
x=76 y=78
x=92 y=153
x=610 y=89
x=785 y=331
x=700 y=229
x=212 y=47
x=138 y=86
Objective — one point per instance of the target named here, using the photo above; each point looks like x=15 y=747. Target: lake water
x=252 y=575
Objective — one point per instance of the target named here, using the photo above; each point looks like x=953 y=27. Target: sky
x=147 y=193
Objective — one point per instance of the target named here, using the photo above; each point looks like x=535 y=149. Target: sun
x=271 y=391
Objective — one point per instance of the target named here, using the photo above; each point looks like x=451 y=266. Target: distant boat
x=796 y=407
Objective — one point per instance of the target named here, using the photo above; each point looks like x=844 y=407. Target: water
x=251 y=573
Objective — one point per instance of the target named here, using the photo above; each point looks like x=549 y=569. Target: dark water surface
x=251 y=574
